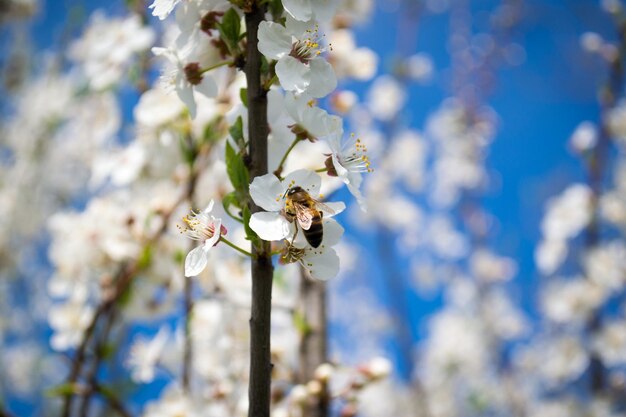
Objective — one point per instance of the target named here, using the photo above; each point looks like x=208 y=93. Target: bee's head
x=294 y=190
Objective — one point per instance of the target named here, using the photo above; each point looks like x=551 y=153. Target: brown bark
x=262 y=268
x=313 y=347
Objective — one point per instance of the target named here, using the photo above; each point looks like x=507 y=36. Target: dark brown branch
x=313 y=346
x=113 y=401
x=100 y=350
x=122 y=281
x=262 y=268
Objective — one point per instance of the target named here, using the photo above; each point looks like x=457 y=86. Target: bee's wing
x=304 y=215
x=323 y=207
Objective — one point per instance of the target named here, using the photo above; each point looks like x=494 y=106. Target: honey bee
x=300 y=206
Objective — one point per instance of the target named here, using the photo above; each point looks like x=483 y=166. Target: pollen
x=199 y=226
x=310 y=47
x=353 y=156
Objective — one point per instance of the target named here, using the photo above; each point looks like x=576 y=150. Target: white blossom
x=300 y=66
x=207 y=230
x=145 y=354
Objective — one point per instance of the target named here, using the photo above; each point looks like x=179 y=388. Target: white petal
x=207 y=87
x=328 y=125
x=293 y=74
x=298 y=28
x=269 y=226
x=306 y=179
x=166 y=52
x=209 y=207
x=322 y=265
x=336 y=206
x=185 y=93
x=323 y=79
x=332 y=233
x=162 y=8
x=334 y=142
x=274 y=41
x=196 y=261
x=217 y=226
x=275 y=105
x=315 y=120
x=265 y=190
x=296 y=105
x=299 y=9
x=356 y=192
x=341 y=171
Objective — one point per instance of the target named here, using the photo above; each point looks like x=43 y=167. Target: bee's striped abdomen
x=316 y=232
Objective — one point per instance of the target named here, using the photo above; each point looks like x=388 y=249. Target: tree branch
x=313 y=346
x=262 y=268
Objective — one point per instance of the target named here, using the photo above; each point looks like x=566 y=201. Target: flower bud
x=324 y=372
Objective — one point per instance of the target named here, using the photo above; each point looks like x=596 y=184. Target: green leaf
x=229 y=30
x=125 y=297
x=61 y=389
x=236 y=132
x=145 y=257
x=301 y=324
x=232 y=199
x=189 y=154
x=243 y=95
x=265 y=66
x=211 y=131
x=237 y=171
x=250 y=234
x=107 y=350
x=276 y=8
x=179 y=256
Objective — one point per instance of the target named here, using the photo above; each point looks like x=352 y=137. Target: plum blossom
x=107 y=47
x=300 y=66
x=572 y=301
x=205 y=228
x=69 y=321
x=145 y=354
x=174 y=402
x=185 y=78
x=269 y=193
x=564 y=359
x=163 y=8
x=610 y=343
x=386 y=98
x=314 y=120
x=321 y=263
x=348 y=160
x=568 y=213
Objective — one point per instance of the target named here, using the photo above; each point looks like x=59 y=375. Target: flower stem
x=237 y=248
x=279 y=170
x=237 y=218
x=212 y=67
x=270 y=82
x=321 y=169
